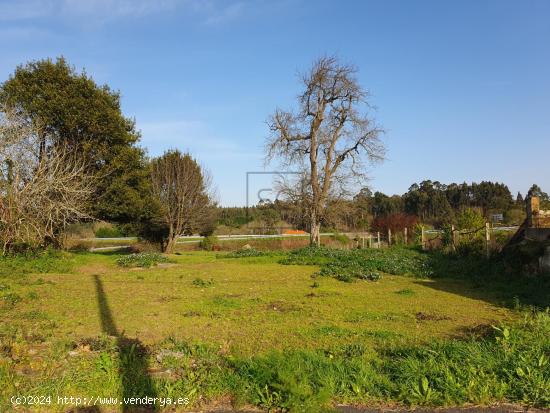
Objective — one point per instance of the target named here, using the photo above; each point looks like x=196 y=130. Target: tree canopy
x=70 y=109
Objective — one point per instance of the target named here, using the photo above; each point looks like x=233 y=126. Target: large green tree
x=69 y=108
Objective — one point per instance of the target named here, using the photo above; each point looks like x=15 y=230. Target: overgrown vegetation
x=347 y=265
x=245 y=252
x=199 y=282
x=209 y=243
x=108 y=232
x=510 y=364
x=46 y=261
x=142 y=259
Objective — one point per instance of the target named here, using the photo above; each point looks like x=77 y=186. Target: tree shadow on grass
x=487 y=281
x=134 y=375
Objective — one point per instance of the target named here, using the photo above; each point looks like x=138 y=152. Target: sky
x=462 y=88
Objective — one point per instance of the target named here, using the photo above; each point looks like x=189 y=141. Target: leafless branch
x=331 y=133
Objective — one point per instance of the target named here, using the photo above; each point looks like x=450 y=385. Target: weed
x=350 y=265
x=199 y=282
x=226 y=302
x=48 y=261
x=142 y=259
x=34 y=315
x=243 y=253
x=406 y=292
x=11 y=298
x=32 y=295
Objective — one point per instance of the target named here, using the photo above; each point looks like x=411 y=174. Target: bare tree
x=330 y=136
x=182 y=188
x=42 y=189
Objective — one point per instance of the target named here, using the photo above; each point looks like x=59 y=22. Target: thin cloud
x=228 y=13
x=101 y=11
x=118 y=8
x=193 y=136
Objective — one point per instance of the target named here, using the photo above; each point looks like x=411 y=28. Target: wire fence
x=494 y=238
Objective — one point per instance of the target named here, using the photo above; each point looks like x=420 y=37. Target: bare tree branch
x=331 y=133
x=42 y=188
x=183 y=189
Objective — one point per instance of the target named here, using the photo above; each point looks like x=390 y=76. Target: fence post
x=453 y=241
x=363 y=240
x=487 y=239
x=405 y=235
x=370 y=240
x=389 y=237
x=378 y=245
x=422 y=237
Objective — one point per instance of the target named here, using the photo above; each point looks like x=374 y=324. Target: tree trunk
x=170 y=241
x=315 y=233
x=170 y=244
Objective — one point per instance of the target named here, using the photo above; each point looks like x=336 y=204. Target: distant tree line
x=428 y=202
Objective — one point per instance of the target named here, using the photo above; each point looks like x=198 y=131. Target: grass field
x=201 y=325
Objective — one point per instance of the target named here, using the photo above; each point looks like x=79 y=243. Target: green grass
x=257 y=331
x=347 y=265
x=406 y=292
x=142 y=259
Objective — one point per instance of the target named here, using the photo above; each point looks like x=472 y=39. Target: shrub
x=396 y=222
x=243 y=253
x=208 y=243
x=341 y=238
x=470 y=218
x=142 y=259
x=470 y=247
x=108 y=232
